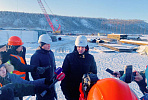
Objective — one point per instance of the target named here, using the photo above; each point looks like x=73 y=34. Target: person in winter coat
x=44 y=57
x=6 y=77
x=139 y=78
x=76 y=64
x=15 y=55
x=12 y=91
x=18 y=51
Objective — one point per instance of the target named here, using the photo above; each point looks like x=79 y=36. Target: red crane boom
x=47 y=17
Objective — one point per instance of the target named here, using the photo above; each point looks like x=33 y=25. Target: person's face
x=80 y=49
x=3 y=71
x=46 y=47
x=19 y=49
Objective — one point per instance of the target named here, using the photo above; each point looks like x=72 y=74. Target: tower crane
x=48 y=19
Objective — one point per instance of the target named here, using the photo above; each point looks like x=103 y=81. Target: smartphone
x=111 y=72
x=128 y=73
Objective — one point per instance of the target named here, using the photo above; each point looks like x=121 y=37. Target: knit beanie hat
x=2 y=65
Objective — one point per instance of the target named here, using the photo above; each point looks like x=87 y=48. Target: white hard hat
x=45 y=38
x=81 y=41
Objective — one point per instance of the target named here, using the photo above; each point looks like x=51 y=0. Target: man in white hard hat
x=44 y=57
x=76 y=64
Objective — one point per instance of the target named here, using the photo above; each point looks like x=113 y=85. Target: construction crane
x=48 y=19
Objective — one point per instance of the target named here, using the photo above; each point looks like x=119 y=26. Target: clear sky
x=110 y=9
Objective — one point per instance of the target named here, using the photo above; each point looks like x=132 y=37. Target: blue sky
x=110 y=9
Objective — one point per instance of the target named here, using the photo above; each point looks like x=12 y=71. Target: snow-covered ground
x=114 y=61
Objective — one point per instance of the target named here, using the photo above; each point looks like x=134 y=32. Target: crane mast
x=47 y=17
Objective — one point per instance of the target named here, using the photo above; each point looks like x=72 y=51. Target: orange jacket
x=22 y=74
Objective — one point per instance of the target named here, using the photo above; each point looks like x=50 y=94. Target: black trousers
x=71 y=93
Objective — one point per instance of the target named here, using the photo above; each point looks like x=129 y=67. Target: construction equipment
x=48 y=19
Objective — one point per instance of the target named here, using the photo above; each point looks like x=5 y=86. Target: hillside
x=72 y=24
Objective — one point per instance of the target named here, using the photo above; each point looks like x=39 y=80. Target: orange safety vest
x=22 y=74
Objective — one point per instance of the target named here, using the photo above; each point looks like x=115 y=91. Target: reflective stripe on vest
x=10 y=64
x=21 y=74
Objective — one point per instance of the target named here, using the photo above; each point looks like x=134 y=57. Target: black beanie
x=42 y=43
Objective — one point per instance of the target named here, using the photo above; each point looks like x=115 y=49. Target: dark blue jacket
x=19 y=91
x=13 y=78
x=44 y=58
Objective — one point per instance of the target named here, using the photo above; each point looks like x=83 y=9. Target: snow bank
x=26 y=36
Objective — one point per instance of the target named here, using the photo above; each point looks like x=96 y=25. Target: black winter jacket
x=22 y=54
x=75 y=65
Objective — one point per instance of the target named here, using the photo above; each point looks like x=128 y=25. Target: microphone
x=59 y=77
x=57 y=72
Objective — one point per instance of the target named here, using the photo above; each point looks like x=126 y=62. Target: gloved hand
x=41 y=70
x=6 y=93
x=11 y=49
x=20 y=90
x=145 y=97
x=48 y=81
x=4 y=57
x=40 y=89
